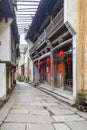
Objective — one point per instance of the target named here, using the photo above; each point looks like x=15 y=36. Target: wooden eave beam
x=27 y=4
x=25 y=11
x=26 y=14
x=60 y=37
x=30 y=8
x=62 y=44
x=37 y=1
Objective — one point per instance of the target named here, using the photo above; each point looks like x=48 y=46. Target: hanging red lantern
x=41 y=62
x=48 y=59
x=61 y=53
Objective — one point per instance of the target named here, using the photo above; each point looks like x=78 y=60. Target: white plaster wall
x=22 y=39
x=30 y=44
x=71 y=13
x=19 y=70
x=26 y=63
x=21 y=60
x=2 y=80
x=5 y=47
x=74 y=66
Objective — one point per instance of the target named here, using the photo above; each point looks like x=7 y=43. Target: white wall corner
x=10 y=43
x=71 y=13
x=5 y=48
x=74 y=65
x=2 y=80
x=65 y=10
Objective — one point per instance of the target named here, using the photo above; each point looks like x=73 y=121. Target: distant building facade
x=25 y=64
x=21 y=61
x=30 y=62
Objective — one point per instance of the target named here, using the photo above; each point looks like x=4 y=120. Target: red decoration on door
x=41 y=62
x=39 y=70
x=69 y=64
x=48 y=59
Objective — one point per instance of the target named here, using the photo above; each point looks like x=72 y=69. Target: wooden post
x=33 y=73
x=52 y=70
x=38 y=70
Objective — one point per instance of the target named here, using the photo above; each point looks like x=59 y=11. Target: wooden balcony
x=52 y=28
x=55 y=24
x=38 y=42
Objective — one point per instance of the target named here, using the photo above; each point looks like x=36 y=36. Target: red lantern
x=48 y=59
x=41 y=62
x=61 y=53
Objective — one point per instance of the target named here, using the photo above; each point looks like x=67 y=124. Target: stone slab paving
x=50 y=101
x=78 y=125
x=83 y=114
x=36 y=104
x=57 y=111
x=30 y=109
x=13 y=126
x=20 y=105
x=0 y=123
x=65 y=118
x=58 y=107
x=19 y=111
x=39 y=127
x=50 y=104
x=36 y=108
x=5 y=110
x=61 y=126
x=29 y=119
x=39 y=112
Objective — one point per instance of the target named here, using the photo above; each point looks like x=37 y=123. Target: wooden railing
x=55 y=24
x=38 y=41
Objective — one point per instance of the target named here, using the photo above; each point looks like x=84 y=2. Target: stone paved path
x=30 y=109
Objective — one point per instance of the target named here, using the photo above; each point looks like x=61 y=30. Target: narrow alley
x=43 y=64
x=28 y=109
